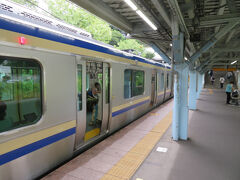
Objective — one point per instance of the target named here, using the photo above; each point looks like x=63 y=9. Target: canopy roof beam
x=161 y=53
x=214 y=20
x=212 y=41
x=103 y=11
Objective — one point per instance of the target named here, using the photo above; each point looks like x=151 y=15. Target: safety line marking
x=128 y=165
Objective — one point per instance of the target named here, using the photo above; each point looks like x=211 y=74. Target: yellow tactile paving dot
x=161 y=128
x=210 y=91
x=127 y=166
x=131 y=161
x=122 y=172
x=154 y=114
x=110 y=177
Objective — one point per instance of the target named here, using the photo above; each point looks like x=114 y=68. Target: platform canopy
x=201 y=21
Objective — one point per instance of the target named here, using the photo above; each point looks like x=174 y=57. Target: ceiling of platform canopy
x=200 y=20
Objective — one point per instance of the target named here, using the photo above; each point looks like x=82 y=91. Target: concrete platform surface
x=98 y=161
x=212 y=151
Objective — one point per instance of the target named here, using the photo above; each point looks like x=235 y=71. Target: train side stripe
x=122 y=106
x=128 y=108
x=161 y=93
x=7 y=157
x=34 y=137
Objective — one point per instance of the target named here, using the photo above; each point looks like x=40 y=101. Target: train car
x=61 y=91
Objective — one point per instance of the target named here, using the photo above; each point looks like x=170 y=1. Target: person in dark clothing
x=229 y=91
x=92 y=102
x=3 y=108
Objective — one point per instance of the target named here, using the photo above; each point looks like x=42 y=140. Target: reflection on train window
x=133 y=83
x=20 y=92
x=79 y=82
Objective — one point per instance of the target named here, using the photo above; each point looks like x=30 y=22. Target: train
x=61 y=91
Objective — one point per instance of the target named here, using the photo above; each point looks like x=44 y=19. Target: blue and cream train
x=47 y=69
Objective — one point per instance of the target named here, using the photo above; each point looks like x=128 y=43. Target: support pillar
x=180 y=109
x=200 y=84
x=193 y=85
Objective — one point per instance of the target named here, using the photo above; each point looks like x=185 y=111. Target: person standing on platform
x=229 y=91
x=222 y=80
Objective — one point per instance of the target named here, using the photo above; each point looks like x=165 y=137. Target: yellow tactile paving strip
x=210 y=91
x=127 y=166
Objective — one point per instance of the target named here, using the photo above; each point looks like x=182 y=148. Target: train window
x=133 y=83
x=138 y=82
x=20 y=92
x=79 y=82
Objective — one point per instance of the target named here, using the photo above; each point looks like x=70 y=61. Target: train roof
x=19 y=19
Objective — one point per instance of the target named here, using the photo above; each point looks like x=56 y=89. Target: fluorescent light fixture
x=146 y=20
x=171 y=44
x=233 y=62
x=134 y=7
x=185 y=58
x=131 y=4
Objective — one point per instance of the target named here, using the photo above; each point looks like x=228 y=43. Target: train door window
x=162 y=82
x=79 y=88
x=107 y=84
x=170 y=81
x=20 y=92
x=127 y=83
x=167 y=81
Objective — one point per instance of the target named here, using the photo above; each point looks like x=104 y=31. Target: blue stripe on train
x=37 y=32
x=128 y=108
x=7 y=157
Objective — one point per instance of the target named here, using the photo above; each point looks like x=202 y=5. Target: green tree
x=148 y=55
x=138 y=47
x=131 y=44
x=117 y=36
x=79 y=17
x=99 y=29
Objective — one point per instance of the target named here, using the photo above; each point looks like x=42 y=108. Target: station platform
x=144 y=150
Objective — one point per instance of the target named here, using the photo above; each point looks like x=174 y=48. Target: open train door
x=93 y=99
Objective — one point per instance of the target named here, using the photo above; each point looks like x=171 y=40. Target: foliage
x=131 y=44
x=148 y=55
x=79 y=17
x=117 y=36
x=27 y=3
x=137 y=46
